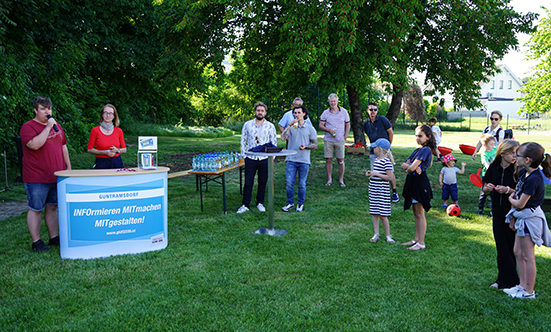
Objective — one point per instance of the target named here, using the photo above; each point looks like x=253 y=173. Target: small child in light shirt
x=487 y=157
x=448 y=179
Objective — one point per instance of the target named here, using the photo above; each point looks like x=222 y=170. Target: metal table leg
x=270 y=230
x=224 y=191
x=200 y=191
x=271 y=192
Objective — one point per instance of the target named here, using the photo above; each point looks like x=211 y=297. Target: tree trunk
x=356 y=117
x=395 y=104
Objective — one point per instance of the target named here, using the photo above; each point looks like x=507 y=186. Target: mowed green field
x=324 y=275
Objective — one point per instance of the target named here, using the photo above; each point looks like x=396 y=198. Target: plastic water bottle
x=227 y=161
x=198 y=163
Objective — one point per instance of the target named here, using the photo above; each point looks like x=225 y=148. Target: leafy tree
x=414 y=104
x=82 y=54
x=538 y=87
x=434 y=110
x=343 y=44
x=14 y=81
x=219 y=102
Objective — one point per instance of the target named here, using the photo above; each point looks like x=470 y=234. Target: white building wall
x=507 y=108
x=505 y=85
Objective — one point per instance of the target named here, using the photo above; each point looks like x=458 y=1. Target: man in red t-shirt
x=44 y=152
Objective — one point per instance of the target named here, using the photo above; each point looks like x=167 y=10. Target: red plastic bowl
x=444 y=150
x=467 y=149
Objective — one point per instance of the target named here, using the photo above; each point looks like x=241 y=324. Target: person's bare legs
x=329 y=169
x=521 y=264
x=340 y=162
x=526 y=262
x=386 y=225
x=420 y=223
x=376 y=235
x=375 y=223
x=51 y=220
x=34 y=221
x=420 y=226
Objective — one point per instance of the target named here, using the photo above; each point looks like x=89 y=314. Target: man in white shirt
x=257 y=131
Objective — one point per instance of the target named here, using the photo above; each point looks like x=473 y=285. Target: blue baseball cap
x=383 y=143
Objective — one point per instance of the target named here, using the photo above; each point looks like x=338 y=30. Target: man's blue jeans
x=291 y=172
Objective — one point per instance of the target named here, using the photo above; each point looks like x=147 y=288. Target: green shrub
x=178 y=130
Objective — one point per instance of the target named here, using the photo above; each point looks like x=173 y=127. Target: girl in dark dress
x=417 y=190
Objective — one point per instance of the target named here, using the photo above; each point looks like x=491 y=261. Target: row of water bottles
x=216 y=161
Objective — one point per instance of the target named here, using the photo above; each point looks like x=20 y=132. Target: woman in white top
x=494 y=129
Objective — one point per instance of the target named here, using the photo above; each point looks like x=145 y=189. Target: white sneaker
x=525 y=295
x=242 y=209
x=300 y=207
x=261 y=207
x=288 y=207
x=513 y=290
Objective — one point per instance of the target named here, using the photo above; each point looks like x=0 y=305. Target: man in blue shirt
x=376 y=127
x=288 y=116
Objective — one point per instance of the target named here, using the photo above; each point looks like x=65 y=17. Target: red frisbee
x=467 y=149
x=475 y=179
x=444 y=150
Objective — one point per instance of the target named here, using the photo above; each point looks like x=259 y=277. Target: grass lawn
x=324 y=275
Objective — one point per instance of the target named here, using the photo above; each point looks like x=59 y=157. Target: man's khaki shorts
x=333 y=147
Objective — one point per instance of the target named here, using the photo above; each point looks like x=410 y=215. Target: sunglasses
x=494 y=119
x=373 y=109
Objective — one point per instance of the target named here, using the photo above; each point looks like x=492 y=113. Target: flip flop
x=417 y=246
x=409 y=243
x=329 y=184
x=343 y=185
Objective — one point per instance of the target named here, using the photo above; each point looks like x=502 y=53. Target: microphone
x=55 y=126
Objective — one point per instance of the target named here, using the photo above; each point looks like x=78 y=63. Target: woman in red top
x=107 y=140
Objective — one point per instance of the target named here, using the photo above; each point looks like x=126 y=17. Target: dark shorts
x=108 y=163
x=526 y=231
x=449 y=190
x=40 y=194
